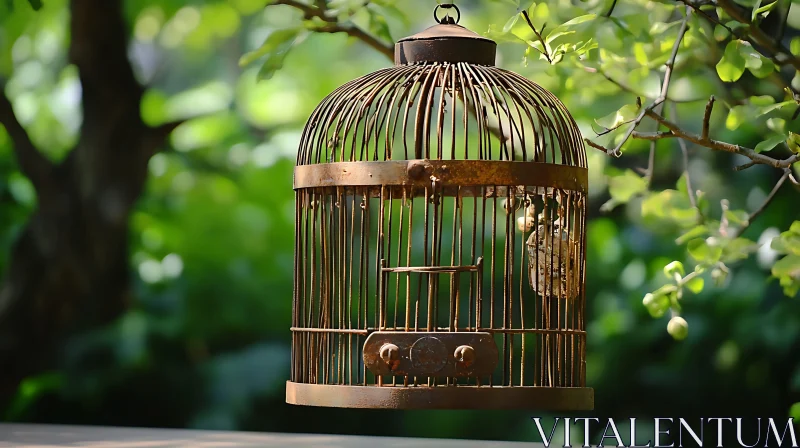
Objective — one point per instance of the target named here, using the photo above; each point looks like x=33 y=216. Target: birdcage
x=440 y=238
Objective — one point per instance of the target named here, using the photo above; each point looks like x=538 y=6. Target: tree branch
x=630 y=89
x=759 y=36
x=670 y=64
x=538 y=34
x=333 y=26
x=32 y=163
x=763 y=206
x=717 y=145
x=652 y=135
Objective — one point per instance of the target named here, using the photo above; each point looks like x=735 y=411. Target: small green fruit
x=678 y=328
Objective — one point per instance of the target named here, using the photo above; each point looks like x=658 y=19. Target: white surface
x=46 y=436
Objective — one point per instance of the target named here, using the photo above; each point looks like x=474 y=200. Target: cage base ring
x=441 y=397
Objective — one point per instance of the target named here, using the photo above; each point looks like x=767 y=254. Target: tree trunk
x=68 y=269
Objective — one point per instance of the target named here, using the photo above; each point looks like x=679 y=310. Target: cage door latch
x=430 y=354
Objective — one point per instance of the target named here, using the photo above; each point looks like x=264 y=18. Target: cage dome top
x=443 y=101
x=446 y=42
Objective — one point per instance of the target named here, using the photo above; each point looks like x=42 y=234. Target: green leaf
x=777 y=125
x=671 y=206
x=739 y=115
x=35 y=4
x=553 y=36
x=640 y=54
x=274 y=42
x=787 y=270
x=761 y=100
x=794 y=411
x=500 y=36
x=704 y=252
x=759 y=65
x=793 y=142
x=579 y=20
x=696 y=285
x=658 y=302
x=738 y=249
x=276 y=47
x=787 y=266
x=675 y=267
x=623 y=188
x=625 y=114
x=563 y=29
x=758 y=10
x=739 y=217
x=787 y=242
x=510 y=23
x=731 y=67
x=379 y=27
x=721 y=33
x=391 y=11
x=771 y=142
x=695 y=232
x=585 y=47
x=795 y=46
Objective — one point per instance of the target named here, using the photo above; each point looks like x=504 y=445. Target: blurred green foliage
x=206 y=343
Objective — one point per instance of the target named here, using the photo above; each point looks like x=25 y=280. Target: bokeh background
x=205 y=341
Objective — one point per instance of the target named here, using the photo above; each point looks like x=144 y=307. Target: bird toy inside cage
x=553 y=252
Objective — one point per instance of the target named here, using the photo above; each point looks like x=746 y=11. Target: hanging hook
x=447 y=19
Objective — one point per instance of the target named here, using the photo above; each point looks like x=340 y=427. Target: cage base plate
x=441 y=397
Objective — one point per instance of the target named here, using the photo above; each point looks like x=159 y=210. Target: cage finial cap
x=446 y=42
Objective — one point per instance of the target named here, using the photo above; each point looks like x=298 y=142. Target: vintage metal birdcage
x=440 y=238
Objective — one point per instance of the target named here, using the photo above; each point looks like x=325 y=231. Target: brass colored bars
x=440 y=250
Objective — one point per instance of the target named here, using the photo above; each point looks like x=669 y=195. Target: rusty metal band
x=461 y=397
x=424 y=173
x=471 y=51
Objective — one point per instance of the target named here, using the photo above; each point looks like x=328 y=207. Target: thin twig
x=611 y=9
x=538 y=34
x=670 y=65
x=595 y=145
x=685 y=153
x=745 y=166
x=764 y=205
x=630 y=89
x=651 y=163
x=333 y=26
x=651 y=159
x=707 y=117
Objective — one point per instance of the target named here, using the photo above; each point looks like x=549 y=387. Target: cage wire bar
x=440 y=238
